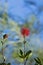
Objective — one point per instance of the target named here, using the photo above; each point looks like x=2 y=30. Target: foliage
x=38 y=61
x=5 y=64
x=5 y=36
x=26 y=54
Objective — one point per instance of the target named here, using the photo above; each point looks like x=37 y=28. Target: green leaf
x=8 y=64
x=3 y=64
x=21 y=52
x=20 y=59
x=26 y=58
x=22 y=56
x=28 y=53
x=15 y=54
x=36 y=64
x=38 y=61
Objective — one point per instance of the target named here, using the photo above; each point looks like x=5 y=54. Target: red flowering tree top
x=25 y=31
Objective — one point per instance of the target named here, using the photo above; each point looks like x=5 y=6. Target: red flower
x=25 y=31
x=5 y=36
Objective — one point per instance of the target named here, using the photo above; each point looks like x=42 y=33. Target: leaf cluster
x=26 y=55
x=38 y=61
x=5 y=64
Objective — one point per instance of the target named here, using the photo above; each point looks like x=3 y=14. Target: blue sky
x=23 y=9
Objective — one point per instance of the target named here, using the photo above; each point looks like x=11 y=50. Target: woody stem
x=2 y=51
x=24 y=50
x=24 y=45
